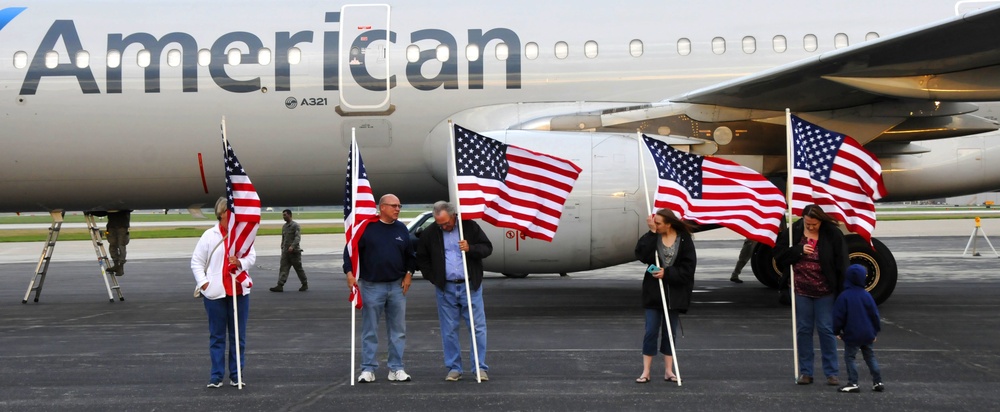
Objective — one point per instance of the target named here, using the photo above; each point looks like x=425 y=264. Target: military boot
x=120 y=268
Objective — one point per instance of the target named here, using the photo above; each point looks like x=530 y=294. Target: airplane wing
x=954 y=60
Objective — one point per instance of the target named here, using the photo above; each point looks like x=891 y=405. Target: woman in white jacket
x=216 y=290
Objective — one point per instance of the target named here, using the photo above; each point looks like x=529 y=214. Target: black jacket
x=678 y=279
x=833 y=255
x=430 y=254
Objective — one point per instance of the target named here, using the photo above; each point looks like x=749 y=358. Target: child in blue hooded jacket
x=856 y=322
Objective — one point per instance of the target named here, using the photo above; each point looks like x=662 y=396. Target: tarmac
x=555 y=343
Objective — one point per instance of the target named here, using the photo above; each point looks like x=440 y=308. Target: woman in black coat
x=818 y=254
x=669 y=237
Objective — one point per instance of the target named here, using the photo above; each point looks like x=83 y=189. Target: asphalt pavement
x=555 y=343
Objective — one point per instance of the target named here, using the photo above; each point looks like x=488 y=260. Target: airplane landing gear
x=881 y=265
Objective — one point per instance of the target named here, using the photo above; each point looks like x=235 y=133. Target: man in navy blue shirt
x=386 y=263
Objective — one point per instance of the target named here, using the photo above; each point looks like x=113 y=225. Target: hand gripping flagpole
x=354 y=210
x=232 y=276
x=656 y=255
x=452 y=175
x=788 y=224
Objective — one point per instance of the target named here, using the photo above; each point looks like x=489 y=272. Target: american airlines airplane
x=112 y=105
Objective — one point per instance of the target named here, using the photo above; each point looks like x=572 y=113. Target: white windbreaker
x=201 y=259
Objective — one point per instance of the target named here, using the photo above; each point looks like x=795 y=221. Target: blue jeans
x=868 y=352
x=655 y=325
x=221 y=326
x=452 y=306
x=382 y=298
x=816 y=314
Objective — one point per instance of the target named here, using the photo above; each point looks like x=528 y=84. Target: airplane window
x=234 y=57
x=412 y=53
x=749 y=45
x=502 y=51
x=780 y=43
x=82 y=59
x=840 y=41
x=531 y=51
x=442 y=53
x=21 y=60
x=472 y=52
x=683 y=47
x=718 y=45
x=114 y=59
x=143 y=58
x=810 y=43
x=174 y=58
x=590 y=49
x=871 y=36
x=294 y=55
x=51 y=59
x=204 y=57
x=635 y=48
x=562 y=50
x=264 y=56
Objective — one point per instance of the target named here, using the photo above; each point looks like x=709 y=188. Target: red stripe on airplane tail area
x=201 y=166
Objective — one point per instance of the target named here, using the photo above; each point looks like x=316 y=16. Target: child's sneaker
x=878 y=387
x=849 y=388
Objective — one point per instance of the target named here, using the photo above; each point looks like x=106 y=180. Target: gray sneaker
x=453 y=376
x=366 y=377
x=482 y=376
x=398 y=376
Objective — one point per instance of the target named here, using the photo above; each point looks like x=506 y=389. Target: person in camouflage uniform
x=291 y=254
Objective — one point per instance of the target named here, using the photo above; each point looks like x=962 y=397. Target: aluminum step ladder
x=43 y=262
x=97 y=239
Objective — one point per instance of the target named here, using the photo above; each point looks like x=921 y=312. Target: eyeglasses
x=394 y=206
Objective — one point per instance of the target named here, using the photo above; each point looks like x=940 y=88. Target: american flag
x=359 y=209
x=710 y=190
x=837 y=174
x=511 y=187
x=244 y=214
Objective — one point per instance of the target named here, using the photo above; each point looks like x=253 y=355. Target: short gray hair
x=441 y=205
x=220 y=206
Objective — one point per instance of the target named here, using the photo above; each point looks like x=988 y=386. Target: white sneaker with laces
x=398 y=376
x=367 y=377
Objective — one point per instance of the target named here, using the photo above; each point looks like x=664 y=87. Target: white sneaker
x=367 y=377
x=399 y=376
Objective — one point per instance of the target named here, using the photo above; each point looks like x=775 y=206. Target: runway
x=555 y=343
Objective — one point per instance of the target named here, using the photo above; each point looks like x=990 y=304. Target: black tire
x=762 y=264
x=516 y=275
x=881 y=266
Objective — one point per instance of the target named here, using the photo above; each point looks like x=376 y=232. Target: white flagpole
x=452 y=175
x=788 y=224
x=354 y=204
x=656 y=255
x=236 y=312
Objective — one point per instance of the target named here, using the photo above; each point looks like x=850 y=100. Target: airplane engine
x=602 y=218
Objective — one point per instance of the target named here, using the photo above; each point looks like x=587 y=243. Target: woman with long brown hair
x=670 y=238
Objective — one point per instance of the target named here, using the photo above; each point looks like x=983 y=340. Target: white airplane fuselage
x=125 y=113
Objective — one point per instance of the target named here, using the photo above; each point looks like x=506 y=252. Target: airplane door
x=364 y=60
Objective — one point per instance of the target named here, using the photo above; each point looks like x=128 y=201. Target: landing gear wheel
x=763 y=266
x=516 y=275
x=881 y=266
